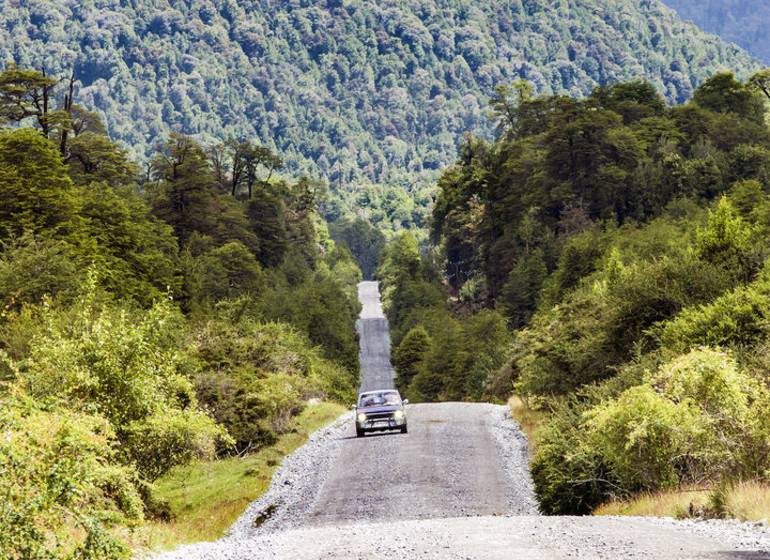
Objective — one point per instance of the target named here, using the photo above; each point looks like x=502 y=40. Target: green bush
x=230 y=271
x=169 y=438
x=656 y=291
x=697 y=418
x=254 y=377
x=570 y=477
x=129 y=371
x=564 y=347
x=62 y=487
x=726 y=241
x=578 y=259
x=319 y=304
x=646 y=438
x=737 y=319
x=33 y=266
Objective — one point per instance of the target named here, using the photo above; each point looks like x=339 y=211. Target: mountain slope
x=744 y=22
x=353 y=91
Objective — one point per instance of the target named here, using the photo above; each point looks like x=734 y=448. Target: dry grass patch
x=665 y=503
x=749 y=501
x=746 y=501
x=206 y=497
x=528 y=418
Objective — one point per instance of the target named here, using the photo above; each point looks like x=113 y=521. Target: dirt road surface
x=374 y=345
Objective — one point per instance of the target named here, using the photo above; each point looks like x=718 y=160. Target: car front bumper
x=375 y=424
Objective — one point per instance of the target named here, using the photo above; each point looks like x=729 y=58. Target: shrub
x=570 y=477
x=578 y=259
x=254 y=377
x=62 y=487
x=641 y=434
x=726 y=241
x=697 y=418
x=130 y=371
x=169 y=438
x=564 y=347
x=229 y=271
x=738 y=318
x=322 y=308
x=657 y=291
x=33 y=266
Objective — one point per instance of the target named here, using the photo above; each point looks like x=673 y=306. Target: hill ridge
x=351 y=91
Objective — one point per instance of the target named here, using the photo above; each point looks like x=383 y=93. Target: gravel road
x=455 y=487
x=374 y=345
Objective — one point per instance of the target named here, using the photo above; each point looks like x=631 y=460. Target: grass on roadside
x=530 y=420
x=746 y=501
x=208 y=496
x=665 y=503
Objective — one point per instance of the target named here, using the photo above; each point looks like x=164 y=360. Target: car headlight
x=398 y=414
x=361 y=417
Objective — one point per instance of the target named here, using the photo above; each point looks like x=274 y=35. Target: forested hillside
x=625 y=244
x=148 y=319
x=743 y=22
x=353 y=92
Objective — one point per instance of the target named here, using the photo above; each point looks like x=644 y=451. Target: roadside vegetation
x=204 y=498
x=623 y=244
x=150 y=321
x=745 y=501
x=531 y=420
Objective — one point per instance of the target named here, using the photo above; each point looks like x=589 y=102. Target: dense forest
x=606 y=260
x=372 y=97
x=148 y=318
x=741 y=22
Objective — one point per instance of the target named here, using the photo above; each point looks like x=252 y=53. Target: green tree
x=184 y=196
x=363 y=240
x=761 y=80
x=722 y=93
x=635 y=100
x=35 y=192
x=267 y=218
x=29 y=94
x=726 y=240
x=94 y=157
x=408 y=355
x=230 y=271
x=521 y=294
x=135 y=252
x=504 y=107
x=246 y=159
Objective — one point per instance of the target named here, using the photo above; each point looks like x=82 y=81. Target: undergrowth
x=203 y=499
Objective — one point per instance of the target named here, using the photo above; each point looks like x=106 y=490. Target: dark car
x=380 y=410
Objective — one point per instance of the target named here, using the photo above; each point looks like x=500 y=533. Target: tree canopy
x=358 y=93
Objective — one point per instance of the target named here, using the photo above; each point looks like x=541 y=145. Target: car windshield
x=383 y=398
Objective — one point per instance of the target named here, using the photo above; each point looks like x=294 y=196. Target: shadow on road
x=745 y=555
x=377 y=434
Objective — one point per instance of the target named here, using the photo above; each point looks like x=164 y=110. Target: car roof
x=380 y=391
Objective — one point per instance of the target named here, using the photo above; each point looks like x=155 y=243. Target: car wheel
x=403 y=429
x=359 y=432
